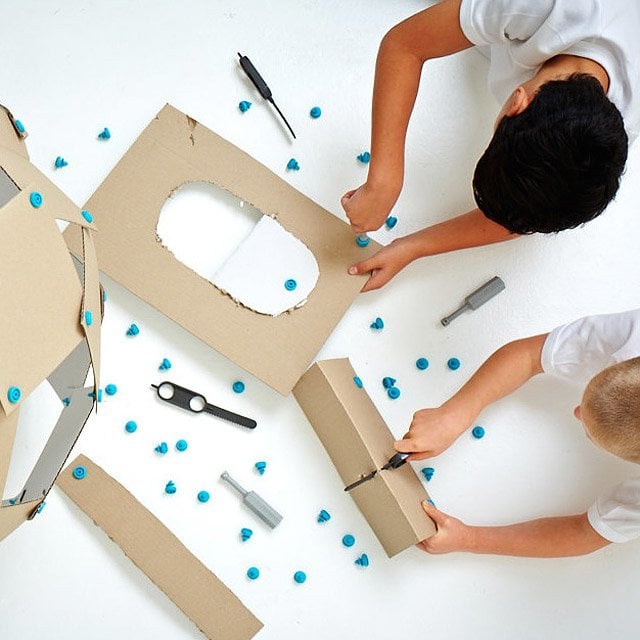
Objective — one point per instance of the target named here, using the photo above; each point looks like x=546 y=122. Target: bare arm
x=542 y=538
x=472 y=229
x=434 y=430
x=432 y=33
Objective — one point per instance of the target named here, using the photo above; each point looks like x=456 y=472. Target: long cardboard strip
x=206 y=600
x=175 y=150
x=358 y=441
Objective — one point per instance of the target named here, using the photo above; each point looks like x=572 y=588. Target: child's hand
x=367 y=207
x=384 y=264
x=431 y=432
x=452 y=534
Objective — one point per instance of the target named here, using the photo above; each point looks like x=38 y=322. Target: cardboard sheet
x=257 y=272
x=358 y=441
x=216 y=611
x=41 y=298
x=175 y=150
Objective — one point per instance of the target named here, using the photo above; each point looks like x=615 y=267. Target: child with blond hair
x=603 y=352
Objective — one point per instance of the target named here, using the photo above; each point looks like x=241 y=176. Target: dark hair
x=557 y=164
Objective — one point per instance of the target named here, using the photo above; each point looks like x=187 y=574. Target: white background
x=70 y=68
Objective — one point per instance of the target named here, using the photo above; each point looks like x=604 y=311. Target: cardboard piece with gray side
x=358 y=441
x=175 y=150
x=45 y=331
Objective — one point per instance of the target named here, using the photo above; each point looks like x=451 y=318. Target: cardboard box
x=215 y=610
x=42 y=318
x=358 y=441
x=175 y=150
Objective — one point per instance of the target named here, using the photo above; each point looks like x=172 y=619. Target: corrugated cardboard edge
x=175 y=150
x=215 y=610
x=357 y=440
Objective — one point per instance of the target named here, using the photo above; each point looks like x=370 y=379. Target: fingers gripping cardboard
x=175 y=150
x=358 y=441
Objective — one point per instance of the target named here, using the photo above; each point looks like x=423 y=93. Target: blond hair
x=611 y=409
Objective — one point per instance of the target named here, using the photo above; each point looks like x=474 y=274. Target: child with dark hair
x=568 y=72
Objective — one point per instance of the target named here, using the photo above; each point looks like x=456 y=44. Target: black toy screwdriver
x=261 y=86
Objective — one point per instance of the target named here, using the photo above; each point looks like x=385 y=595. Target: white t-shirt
x=578 y=351
x=524 y=34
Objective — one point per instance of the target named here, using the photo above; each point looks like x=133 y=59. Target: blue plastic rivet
x=391 y=222
x=60 y=162
x=19 y=126
x=203 y=496
x=324 y=516
x=105 y=134
x=358 y=382
x=133 y=330
x=41 y=506
x=261 y=467
x=348 y=540
x=363 y=560
x=290 y=284
x=245 y=534
x=93 y=395
x=293 y=165
x=362 y=240
x=165 y=364
x=428 y=472
x=36 y=199
x=182 y=445
x=453 y=363
x=364 y=157
x=299 y=577
x=162 y=448
x=104 y=295
x=244 y=106
x=238 y=386
x=431 y=502
x=66 y=401
x=478 y=432
x=111 y=389
x=170 y=487
x=14 y=394
x=87 y=216
x=377 y=324
x=79 y=472
x=253 y=573
x=388 y=382
x=393 y=393
x=131 y=426
x=315 y=112
x=422 y=363
x=88 y=318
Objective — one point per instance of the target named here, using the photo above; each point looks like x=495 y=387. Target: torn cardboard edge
x=158 y=553
x=358 y=441
x=175 y=150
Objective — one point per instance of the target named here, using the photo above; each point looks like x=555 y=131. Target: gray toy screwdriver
x=477 y=298
x=264 y=511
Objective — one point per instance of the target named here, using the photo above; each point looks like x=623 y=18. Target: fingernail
x=353 y=271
